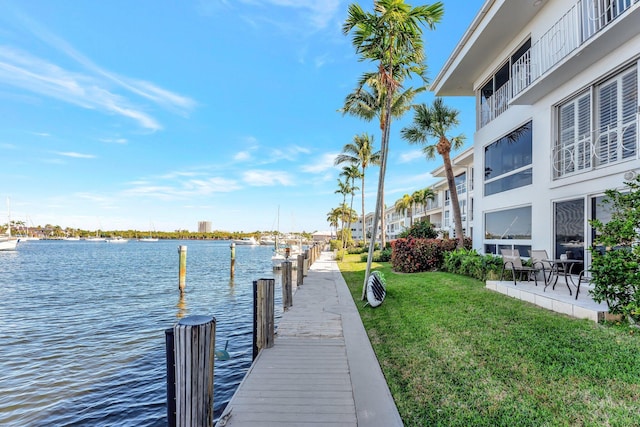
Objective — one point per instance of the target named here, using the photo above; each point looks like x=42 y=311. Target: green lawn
x=456 y=354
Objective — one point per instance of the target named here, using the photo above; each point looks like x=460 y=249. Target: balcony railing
x=495 y=105
x=583 y=20
x=606 y=146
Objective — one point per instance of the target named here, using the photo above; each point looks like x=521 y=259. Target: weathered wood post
x=171 y=377
x=263 y=314
x=233 y=260
x=300 y=270
x=306 y=262
x=287 y=286
x=194 y=344
x=182 y=274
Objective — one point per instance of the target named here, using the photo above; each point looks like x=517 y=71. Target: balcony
x=587 y=32
x=603 y=147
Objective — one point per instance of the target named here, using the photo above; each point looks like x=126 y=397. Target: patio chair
x=511 y=261
x=538 y=258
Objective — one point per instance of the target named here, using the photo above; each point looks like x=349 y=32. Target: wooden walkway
x=321 y=370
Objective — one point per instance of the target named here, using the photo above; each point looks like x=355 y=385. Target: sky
x=152 y=115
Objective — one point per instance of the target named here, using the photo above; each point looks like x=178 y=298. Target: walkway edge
x=374 y=404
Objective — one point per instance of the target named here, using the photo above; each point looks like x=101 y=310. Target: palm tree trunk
x=451 y=182
x=384 y=148
x=364 y=231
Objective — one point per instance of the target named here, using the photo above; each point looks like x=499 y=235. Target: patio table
x=563 y=267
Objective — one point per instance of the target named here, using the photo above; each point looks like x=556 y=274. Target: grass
x=456 y=354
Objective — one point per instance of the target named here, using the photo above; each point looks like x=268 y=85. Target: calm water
x=82 y=337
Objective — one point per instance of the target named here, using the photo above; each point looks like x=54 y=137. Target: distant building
x=204 y=226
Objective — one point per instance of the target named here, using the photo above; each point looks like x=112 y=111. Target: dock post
x=287 y=287
x=171 y=377
x=306 y=262
x=263 y=315
x=233 y=260
x=182 y=275
x=194 y=342
x=299 y=270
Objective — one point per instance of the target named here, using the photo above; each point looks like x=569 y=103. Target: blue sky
x=138 y=114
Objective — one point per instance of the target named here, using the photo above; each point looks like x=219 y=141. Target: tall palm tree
x=435 y=122
x=391 y=36
x=368 y=102
x=344 y=188
x=350 y=173
x=404 y=205
x=360 y=153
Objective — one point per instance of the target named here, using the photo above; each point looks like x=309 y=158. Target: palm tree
x=360 y=153
x=435 y=122
x=421 y=197
x=333 y=216
x=404 y=205
x=350 y=173
x=392 y=37
x=344 y=188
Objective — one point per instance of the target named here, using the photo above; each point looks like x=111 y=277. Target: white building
x=438 y=211
x=556 y=88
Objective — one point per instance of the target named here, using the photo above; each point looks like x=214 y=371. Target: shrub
x=378 y=256
x=468 y=262
x=420 y=230
x=413 y=255
x=615 y=269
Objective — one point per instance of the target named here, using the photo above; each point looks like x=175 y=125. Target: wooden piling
x=182 y=275
x=287 y=286
x=300 y=270
x=263 y=314
x=233 y=260
x=194 y=344
x=306 y=262
x=171 y=377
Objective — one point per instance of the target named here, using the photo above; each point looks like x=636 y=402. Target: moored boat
x=245 y=241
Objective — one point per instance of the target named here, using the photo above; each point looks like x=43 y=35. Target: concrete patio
x=557 y=299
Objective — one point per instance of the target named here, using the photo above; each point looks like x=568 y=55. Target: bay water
x=82 y=338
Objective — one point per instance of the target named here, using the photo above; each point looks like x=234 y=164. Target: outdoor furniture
x=583 y=277
x=539 y=259
x=511 y=261
x=564 y=266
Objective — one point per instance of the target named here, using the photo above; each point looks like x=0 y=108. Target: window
x=569 y=225
x=508 y=229
x=598 y=127
x=507 y=162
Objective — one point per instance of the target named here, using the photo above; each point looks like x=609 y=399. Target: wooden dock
x=321 y=370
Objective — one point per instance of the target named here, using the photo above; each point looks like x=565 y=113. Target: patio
x=557 y=299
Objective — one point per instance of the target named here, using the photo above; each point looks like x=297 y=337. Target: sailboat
x=150 y=238
x=7 y=241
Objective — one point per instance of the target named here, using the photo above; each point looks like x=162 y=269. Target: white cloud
x=114 y=140
x=410 y=156
x=242 y=156
x=264 y=178
x=325 y=162
x=75 y=155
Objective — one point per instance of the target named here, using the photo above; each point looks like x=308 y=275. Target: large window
x=599 y=126
x=508 y=229
x=507 y=162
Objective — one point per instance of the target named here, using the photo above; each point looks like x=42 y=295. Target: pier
x=321 y=370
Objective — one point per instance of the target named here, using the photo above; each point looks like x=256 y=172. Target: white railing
x=496 y=104
x=605 y=146
x=583 y=20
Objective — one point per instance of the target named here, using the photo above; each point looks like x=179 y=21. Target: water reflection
x=181 y=306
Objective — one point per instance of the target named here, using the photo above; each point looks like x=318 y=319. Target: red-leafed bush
x=413 y=255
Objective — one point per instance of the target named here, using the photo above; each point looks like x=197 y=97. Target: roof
x=492 y=30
